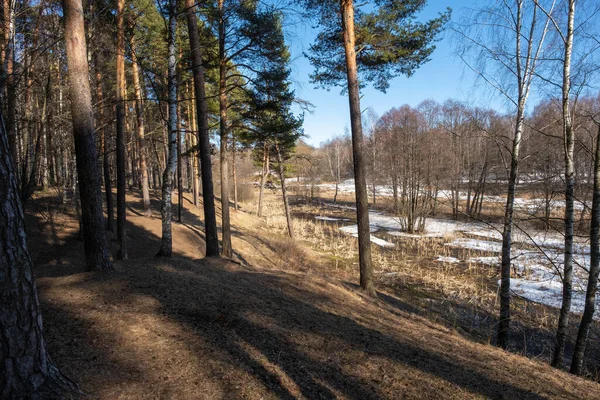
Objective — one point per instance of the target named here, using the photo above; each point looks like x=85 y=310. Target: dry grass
x=264 y=328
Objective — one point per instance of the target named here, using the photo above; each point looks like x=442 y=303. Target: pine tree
x=390 y=43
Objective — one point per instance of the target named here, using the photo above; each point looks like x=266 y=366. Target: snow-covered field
x=537 y=256
x=528 y=205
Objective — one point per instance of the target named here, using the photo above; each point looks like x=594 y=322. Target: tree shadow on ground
x=299 y=339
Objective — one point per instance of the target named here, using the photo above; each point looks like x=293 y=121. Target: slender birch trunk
x=569 y=143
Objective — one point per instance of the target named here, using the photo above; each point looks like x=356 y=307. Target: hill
x=190 y=328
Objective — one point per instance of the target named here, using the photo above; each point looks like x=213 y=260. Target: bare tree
x=507 y=39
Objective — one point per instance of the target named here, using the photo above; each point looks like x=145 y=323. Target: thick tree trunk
x=139 y=113
x=362 y=201
x=166 y=246
x=96 y=248
x=569 y=142
x=286 y=204
x=208 y=196
x=224 y=134
x=27 y=370
x=120 y=106
x=592 y=285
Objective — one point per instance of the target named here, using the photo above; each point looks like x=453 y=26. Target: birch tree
x=504 y=44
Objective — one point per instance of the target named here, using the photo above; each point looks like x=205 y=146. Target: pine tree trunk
x=96 y=248
x=208 y=196
x=569 y=142
x=288 y=215
x=27 y=370
x=179 y=149
x=120 y=106
x=105 y=149
x=194 y=145
x=139 y=112
x=234 y=171
x=362 y=201
x=224 y=134
x=265 y=169
x=166 y=247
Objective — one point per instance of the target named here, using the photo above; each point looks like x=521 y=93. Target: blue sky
x=442 y=78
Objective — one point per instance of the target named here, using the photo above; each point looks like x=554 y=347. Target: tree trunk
x=179 y=149
x=194 y=145
x=105 y=149
x=288 y=215
x=139 y=112
x=96 y=248
x=362 y=201
x=504 y=323
x=234 y=171
x=27 y=370
x=120 y=106
x=592 y=286
x=224 y=134
x=569 y=142
x=166 y=246
x=265 y=169
x=208 y=196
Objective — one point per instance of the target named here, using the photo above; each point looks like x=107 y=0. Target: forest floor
x=278 y=322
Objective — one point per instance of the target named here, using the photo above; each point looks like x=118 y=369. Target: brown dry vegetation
x=284 y=321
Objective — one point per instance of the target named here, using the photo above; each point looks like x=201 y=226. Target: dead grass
x=188 y=328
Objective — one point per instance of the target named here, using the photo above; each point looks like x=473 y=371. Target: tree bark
x=288 y=215
x=224 y=134
x=362 y=201
x=27 y=370
x=139 y=113
x=120 y=107
x=110 y=216
x=265 y=171
x=208 y=196
x=179 y=149
x=569 y=143
x=592 y=285
x=234 y=172
x=166 y=247
x=96 y=248
x=504 y=323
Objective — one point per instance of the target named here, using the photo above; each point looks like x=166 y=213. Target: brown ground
x=189 y=328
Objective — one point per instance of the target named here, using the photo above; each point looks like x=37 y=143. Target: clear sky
x=441 y=78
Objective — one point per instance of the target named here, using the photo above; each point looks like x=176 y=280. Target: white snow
x=484 y=260
x=537 y=256
x=451 y=260
x=321 y=218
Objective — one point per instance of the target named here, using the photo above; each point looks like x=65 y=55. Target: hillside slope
x=187 y=328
